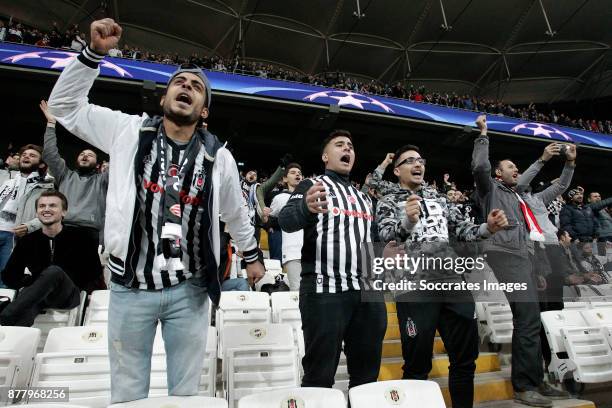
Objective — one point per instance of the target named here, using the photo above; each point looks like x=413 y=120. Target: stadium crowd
x=178 y=210
x=75 y=40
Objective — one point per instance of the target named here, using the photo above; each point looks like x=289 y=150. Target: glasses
x=412 y=160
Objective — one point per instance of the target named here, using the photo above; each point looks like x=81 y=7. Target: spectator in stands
x=291 y=241
x=9 y=169
x=508 y=254
x=115 y=52
x=417 y=215
x=17 y=197
x=197 y=187
x=575 y=272
x=2 y=31
x=84 y=187
x=15 y=33
x=548 y=261
x=376 y=181
x=78 y=42
x=580 y=220
x=331 y=306
x=604 y=220
x=51 y=266
x=592 y=265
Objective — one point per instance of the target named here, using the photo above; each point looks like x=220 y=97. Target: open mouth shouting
x=184 y=98
x=346 y=159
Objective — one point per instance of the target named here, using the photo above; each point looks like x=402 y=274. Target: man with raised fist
x=417 y=215
x=510 y=254
x=170 y=182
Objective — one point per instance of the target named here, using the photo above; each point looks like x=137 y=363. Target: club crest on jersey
x=411 y=328
x=198 y=179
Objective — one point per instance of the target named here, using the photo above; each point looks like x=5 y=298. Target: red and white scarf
x=535 y=232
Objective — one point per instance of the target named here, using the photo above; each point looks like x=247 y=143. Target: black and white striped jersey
x=331 y=254
x=144 y=251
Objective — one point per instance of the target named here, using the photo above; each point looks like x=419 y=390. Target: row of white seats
x=580 y=343
x=495 y=319
x=77 y=357
x=406 y=393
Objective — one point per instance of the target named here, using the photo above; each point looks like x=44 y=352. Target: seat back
x=241 y=307
x=86 y=373
x=286 y=309
x=499 y=320
x=555 y=320
x=76 y=339
x=259 y=357
x=97 y=310
x=17 y=350
x=406 y=393
x=52 y=318
x=295 y=397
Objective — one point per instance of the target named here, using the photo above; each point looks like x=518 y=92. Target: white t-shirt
x=292 y=241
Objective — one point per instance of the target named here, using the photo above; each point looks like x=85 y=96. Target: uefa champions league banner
x=34 y=57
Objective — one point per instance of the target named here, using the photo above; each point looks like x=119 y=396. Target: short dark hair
x=560 y=233
x=334 y=134
x=404 y=149
x=30 y=146
x=53 y=193
x=292 y=166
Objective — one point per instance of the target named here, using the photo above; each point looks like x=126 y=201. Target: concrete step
x=391 y=368
x=393 y=348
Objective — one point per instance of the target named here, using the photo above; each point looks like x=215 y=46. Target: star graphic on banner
x=19 y=57
x=349 y=99
x=541 y=131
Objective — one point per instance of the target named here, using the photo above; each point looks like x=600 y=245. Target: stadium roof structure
x=519 y=51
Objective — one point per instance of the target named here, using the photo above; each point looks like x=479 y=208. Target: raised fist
x=105 y=34
x=481 y=122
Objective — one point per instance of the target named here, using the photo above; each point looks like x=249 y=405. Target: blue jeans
x=275 y=243
x=235 y=284
x=132 y=321
x=6 y=247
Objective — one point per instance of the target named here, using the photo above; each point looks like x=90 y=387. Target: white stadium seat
x=9 y=293
x=97 y=310
x=498 y=324
x=174 y=402
x=600 y=317
x=575 y=305
x=404 y=393
x=17 y=350
x=589 y=357
x=241 y=307
x=341 y=379
x=295 y=397
x=52 y=318
x=51 y=405
x=286 y=309
x=76 y=357
x=259 y=357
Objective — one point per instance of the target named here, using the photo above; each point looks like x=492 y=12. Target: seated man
x=61 y=261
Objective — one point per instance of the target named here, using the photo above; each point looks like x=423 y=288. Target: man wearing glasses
x=164 y=204
x=417 y=215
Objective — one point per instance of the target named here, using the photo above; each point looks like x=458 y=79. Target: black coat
x=74 y=251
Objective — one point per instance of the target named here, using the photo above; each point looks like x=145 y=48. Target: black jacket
x=581 y=222
x=74 y=251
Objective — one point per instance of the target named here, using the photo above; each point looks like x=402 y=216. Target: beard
x=28 y=168
x=181 y=120
x=86 y=167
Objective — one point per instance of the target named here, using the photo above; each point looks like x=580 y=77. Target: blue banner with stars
x=128 y=69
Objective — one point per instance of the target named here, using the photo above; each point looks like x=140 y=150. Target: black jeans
x=330 y=318
x=51 y=289
x=527 y=371
x=458 y=328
